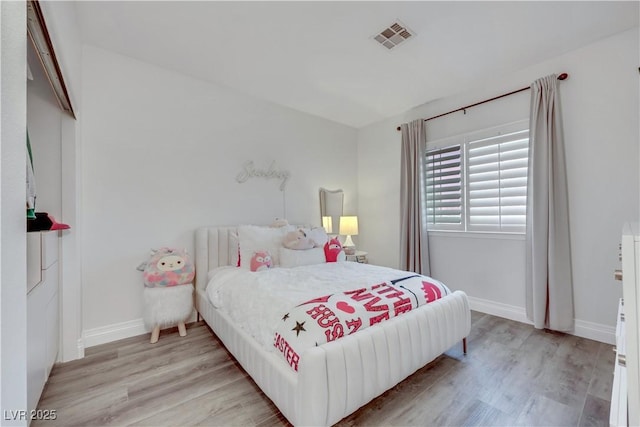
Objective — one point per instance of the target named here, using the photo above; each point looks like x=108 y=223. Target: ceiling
x=320 y=57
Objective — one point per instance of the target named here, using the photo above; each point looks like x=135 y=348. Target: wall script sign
x=249 y=170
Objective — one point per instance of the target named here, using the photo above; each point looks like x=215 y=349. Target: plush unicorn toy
x=168 y=280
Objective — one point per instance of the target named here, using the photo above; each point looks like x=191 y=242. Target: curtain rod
x=562 y=76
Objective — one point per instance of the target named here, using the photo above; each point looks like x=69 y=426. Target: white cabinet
x=618 y=411
x=43 y=319
x=625 y=395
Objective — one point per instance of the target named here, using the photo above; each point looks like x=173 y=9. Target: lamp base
x=348 y=246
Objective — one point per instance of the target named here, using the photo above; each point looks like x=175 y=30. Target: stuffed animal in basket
x=167 y=267
x=168 y=293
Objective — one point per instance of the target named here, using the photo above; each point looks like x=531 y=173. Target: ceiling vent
x=393 y=35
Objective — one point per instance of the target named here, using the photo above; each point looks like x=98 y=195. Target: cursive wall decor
x=249 y=170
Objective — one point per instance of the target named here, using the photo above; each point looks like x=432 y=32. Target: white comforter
x=255 y=301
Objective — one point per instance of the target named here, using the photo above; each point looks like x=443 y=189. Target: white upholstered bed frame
x=337 y=378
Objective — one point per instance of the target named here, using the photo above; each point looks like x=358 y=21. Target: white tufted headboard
x=214 y=248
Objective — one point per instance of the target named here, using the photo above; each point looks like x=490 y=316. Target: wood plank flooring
x=512 y=375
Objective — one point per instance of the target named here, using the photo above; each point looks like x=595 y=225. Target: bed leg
x=198 y=317
x=464 y=345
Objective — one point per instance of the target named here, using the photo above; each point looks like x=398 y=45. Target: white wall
x=600 y=109
x=160 y=155
x=13 y=246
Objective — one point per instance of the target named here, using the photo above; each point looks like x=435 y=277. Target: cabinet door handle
x=622 y=360
x=617 y=274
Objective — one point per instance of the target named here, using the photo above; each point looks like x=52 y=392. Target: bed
x=336 y=378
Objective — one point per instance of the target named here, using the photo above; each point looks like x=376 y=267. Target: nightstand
x=359 y=256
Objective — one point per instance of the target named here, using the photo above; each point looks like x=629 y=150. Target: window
x=478 y=181
x=444 y=187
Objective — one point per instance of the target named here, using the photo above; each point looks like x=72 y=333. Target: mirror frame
x=330 y=199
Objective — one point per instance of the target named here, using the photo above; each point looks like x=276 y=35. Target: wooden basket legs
x=182 y=329
x=155 y=334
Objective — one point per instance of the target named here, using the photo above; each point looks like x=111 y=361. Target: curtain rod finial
x=563 y=76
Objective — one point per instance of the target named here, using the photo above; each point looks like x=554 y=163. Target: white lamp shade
x=327 y=224
x=349 y=225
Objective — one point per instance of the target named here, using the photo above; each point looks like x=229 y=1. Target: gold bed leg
x=464 y=345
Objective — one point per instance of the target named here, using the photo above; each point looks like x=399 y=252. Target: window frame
x=464 y=140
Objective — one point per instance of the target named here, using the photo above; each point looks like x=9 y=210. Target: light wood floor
x=512 y=375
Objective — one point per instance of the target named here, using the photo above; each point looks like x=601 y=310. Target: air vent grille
x=393 y=35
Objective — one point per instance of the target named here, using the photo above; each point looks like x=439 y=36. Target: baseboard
x=583 y=328
x=506 y=311
x=114 y=332
x=595 y=331
x=80 y=346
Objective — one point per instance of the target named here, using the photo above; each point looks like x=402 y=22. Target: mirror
x=331 y=202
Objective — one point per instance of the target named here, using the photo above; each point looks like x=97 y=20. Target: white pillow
x=253 y=238
x=293 y=258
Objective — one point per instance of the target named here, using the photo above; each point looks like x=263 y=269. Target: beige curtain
x=549 y=289
x=414 y=242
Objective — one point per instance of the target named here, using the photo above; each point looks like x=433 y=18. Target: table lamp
x=349 y=227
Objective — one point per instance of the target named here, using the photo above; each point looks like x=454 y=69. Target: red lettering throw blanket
x=330 y=317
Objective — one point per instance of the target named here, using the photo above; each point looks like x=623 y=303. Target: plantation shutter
x=444 y=188
x=497 y=182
